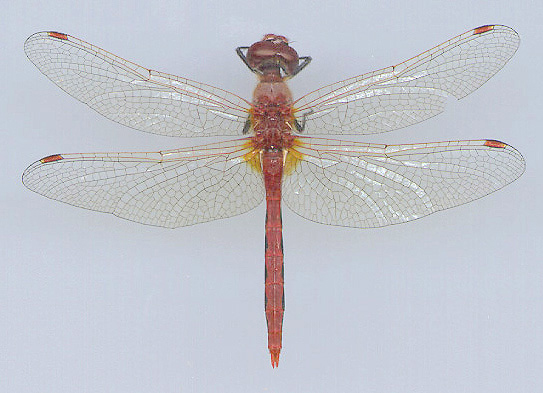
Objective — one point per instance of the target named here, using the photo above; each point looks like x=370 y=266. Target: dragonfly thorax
x=272 y=116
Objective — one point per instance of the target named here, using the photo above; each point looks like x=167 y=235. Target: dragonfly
x=272 y=157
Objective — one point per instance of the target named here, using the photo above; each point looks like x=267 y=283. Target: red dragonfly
x=329 y=181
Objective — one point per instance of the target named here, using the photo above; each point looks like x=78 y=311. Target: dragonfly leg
x=300 y=126
x=246 y=127
x=243 y=57
x=304 y=62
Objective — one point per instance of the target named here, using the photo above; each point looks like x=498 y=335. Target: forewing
x=370 y=185
x=169 y=188
x=137 y=97
x=409 y=92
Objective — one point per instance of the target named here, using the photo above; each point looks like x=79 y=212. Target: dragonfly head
x=273 y=55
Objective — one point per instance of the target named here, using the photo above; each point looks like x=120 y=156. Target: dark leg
x=300 y=126
x=246 y=126
x=304 y=62
x=243 y=57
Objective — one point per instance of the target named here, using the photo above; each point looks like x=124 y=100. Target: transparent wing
x=168 y=188
x=370 y=185
x=412 y=91
x=137 y=97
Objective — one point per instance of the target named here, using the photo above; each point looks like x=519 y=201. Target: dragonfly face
x=271 y=53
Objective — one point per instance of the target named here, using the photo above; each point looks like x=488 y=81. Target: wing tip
x=519 y=159
x=28 y=171
x=486 y=28
x=30 y=42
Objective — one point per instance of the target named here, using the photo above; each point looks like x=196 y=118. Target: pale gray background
x=93 y=303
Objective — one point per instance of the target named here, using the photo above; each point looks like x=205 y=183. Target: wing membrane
x=371 y=185
x=137 y=97
x=168 y=188
x=412 y=91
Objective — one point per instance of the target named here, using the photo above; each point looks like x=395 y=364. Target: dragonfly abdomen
x=272 y=168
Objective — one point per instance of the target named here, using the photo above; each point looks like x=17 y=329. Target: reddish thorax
x=272 y=121
x=272 y=117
